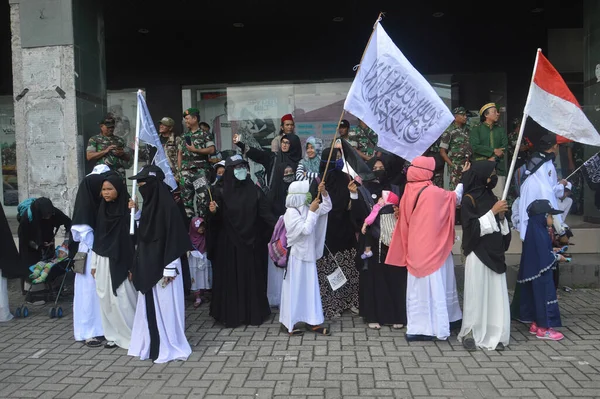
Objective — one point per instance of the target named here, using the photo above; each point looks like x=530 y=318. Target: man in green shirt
x=108 y=149
x=489 y=141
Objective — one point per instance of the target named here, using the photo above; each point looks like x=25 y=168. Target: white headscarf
x=297 y=194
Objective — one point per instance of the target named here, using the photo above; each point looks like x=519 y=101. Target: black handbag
x=79 y=261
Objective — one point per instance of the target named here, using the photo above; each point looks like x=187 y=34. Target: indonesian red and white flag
x=552 y=105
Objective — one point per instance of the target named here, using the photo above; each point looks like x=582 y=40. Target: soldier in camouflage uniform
x=193 y=164
x=108 y=149
x=364 y=140
x=170 y=142
x=455 y=147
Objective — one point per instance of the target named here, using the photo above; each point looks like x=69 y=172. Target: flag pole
x=136 y=157
x=580 y=166
x=337 y=129
x=521 y=129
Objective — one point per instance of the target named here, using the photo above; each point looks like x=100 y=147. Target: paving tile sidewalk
x=40 y=359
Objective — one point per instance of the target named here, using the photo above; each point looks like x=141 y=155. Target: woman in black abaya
x=382 y=289
x=37 y=229
x=159 y=325
x=239 y=281
x=9 y=266
x=112 y=259
x=87 y=319
x=340 y=239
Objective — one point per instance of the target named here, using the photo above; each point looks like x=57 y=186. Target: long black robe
x=33 y=234
x=476 y=202
x=9 y=257
x=340 y=241
x=239 y=255
x=382 y=289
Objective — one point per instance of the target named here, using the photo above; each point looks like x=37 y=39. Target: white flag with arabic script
x=395 y=100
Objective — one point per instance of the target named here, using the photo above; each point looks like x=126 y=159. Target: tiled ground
x=40 y=359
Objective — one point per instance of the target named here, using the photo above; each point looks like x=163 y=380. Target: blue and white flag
x=149 y=135
x=395 y=100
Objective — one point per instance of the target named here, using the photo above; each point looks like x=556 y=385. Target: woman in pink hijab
x=422 y=242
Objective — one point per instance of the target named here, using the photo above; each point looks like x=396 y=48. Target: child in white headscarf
x=305 y=223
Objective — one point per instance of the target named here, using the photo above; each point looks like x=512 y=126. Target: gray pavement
x=40 y=359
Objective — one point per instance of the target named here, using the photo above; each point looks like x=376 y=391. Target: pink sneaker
x=533 y=329
x=549 y=333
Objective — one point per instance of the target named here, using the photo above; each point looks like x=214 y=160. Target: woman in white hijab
x=306 y=224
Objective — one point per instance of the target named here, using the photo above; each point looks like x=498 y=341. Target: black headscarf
x=162 y=235
x=87 y=203
x=241 y=205
x=111 y=236
x=278 y=188
x=88 y=199
x=490 y=248
x=9 y=257
x=340 y=230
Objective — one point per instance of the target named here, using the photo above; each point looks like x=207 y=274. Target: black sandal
x=93 y=343
x=318 y=330
x=293 y=333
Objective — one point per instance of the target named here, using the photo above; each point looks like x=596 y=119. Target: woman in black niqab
x=239 y=257
x=340 y=238
x=382 y=290
x=163 y=241
x=161 y=236
x=477 y=200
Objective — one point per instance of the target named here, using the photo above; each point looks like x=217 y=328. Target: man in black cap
x=108 y=149
x=540 y=181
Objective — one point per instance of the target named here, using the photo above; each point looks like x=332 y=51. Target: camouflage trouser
x=438 y=178
x=455 y=172
x=189 y=195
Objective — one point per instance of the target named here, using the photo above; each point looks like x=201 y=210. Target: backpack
x=278 y=248
x=519 y=177
x=24 y=207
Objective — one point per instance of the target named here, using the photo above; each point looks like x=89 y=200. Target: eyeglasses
x=285 y=142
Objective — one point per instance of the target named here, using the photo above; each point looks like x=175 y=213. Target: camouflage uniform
x=455 y=140
x=364 y=140
x=100 y=143
x=193 y=167
x=171 y=145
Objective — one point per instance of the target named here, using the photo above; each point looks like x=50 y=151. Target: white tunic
x=432 y=302
x=87 y=319
x=169 y=304
x=300 y=294
x=543 y=184
x=118 y=311
x=486 y=307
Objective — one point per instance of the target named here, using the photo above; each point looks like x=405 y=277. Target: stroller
x=54 y=264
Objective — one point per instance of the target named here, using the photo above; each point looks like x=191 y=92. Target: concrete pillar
x=58 y=89
x=591 y=91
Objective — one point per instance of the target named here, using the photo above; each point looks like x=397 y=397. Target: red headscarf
x=287 y=117
x=423 y=238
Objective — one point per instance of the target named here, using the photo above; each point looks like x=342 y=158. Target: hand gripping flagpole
x=136 y=157
x=337 y=129
x=521 y=129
